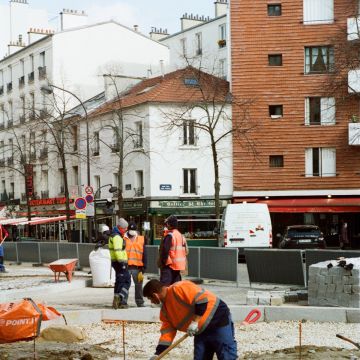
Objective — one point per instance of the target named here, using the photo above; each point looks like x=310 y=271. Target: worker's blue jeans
x=2 y=267
x=134 y=272
x=122 y=280
x=219 y=341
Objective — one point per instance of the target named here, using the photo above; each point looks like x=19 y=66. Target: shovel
x=348 y=340
x=175 y=344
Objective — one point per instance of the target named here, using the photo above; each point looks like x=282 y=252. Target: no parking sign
x=80 y=203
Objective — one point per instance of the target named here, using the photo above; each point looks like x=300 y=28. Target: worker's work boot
x=123 y=306
x=116 y=302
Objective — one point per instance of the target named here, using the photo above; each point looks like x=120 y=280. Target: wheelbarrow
x=65 y=266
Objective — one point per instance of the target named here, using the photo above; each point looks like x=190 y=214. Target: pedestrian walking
x=173 y=253
x=200 y=313
x=136 y=253
x=119 y=260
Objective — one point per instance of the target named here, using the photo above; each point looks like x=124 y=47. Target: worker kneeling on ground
x=189 y=308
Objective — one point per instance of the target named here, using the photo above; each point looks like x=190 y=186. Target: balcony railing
x=31 y=77
x=9 y=87
x=2 y=162
x=10 y=123
x=10 y=160
x=62 y=189
x=11 y=196
x=21 y=81
x=23 y=197
x=190 y=190
x=353 y=28
x=138 y=191
x=23 y=159
x=45 y=194
x=1 y=90
x=22 y=119
x=42 y=72
x=4 y=196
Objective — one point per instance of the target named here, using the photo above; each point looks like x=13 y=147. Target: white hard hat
x=103 y=227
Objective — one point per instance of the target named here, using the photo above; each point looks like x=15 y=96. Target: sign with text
x=165 y=187
x=90 y=209
x=80 y=214
x=29 y=175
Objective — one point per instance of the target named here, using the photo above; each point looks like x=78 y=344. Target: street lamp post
x=111 y=191
x=49 y=90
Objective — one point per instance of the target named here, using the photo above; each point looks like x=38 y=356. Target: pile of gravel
x=141 y=338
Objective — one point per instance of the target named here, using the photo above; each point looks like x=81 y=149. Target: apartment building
x=202 y=42
x=167 y=158
x=75 y=60
x=284 y=54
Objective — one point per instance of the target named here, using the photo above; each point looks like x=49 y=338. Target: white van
x=246 y=225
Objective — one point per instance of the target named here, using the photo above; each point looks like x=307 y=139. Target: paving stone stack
x=335 y=283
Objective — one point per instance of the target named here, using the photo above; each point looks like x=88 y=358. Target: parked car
x=302 y=237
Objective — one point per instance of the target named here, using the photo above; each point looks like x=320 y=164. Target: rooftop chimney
x=158 y=34
x=190 y=20
x=221 y=7
x=72 y=18
x=136 y=28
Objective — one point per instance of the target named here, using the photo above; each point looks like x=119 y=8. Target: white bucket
x=103 y=275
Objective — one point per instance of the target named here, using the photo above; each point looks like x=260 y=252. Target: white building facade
x=165 y=171
x=74 y=60
x=202 y=42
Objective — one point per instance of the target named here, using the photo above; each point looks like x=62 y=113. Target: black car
x=302 y=237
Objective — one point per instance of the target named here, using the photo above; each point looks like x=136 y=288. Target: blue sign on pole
x=165 y=187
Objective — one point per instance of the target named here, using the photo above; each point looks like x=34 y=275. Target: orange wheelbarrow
x=65 y=266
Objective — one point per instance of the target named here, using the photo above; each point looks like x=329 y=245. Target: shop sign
x=132 y=205
x=50 y=201
x=80 y=214
x=29 y=181
x=185 y=203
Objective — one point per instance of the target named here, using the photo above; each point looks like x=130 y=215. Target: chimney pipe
x=136 y=28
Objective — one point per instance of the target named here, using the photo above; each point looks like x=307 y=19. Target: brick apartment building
x=283 y=54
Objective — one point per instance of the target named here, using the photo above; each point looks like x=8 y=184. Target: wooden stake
x=300 y=334
x=123 y=331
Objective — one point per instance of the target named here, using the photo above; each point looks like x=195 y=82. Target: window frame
x=276 y=116
x=190 y=181
x=276 y=161
x=309 y=66
x=324 y=107
x=315 y=161
x=188 y=133
x=273 y=6
x=273 y=56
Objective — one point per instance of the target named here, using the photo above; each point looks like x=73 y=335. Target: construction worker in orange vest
x=173 y=253
x=200 y=313
x=136 y=252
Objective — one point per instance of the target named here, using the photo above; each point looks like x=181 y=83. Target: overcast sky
x=145 y=13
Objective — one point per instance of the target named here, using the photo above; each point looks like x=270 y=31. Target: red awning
x=313 y=205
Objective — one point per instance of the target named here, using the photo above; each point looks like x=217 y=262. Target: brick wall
x=254 y=36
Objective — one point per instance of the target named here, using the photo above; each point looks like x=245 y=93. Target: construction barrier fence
x=201 y=260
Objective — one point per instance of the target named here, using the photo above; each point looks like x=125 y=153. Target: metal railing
x=31 y=77
x=45 y=194
x=138 y=192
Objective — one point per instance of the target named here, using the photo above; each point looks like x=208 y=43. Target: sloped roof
x=187 y=85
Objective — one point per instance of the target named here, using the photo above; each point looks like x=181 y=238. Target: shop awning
x=314 y=205
x=39 y=221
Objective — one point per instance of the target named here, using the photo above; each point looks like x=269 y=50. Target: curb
x=268 y=314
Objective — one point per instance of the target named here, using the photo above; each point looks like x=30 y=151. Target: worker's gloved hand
x=154 y=357
x=193 y=328
x=140 y=276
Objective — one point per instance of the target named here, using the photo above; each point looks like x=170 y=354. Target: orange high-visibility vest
x=177 y=310
x=177 y=253
x=135 y=250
